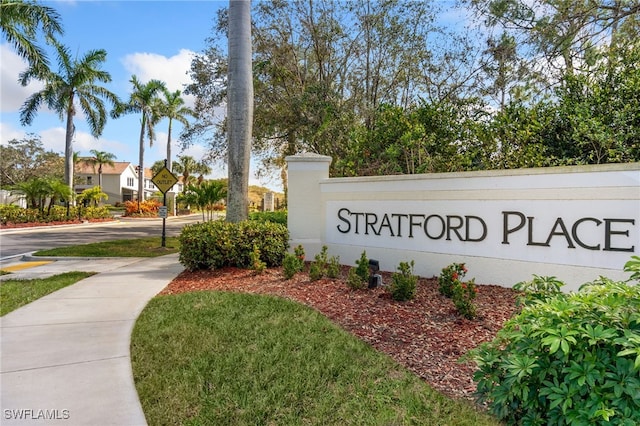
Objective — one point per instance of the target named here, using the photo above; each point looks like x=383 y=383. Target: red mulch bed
x=425 y=334
x=53 y=223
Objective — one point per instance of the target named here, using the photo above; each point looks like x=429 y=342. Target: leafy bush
x=363 y=267
x=279 y=216
x=293 y=263
x=354 y=281
x=463 y=295
x=403 y=283
x=256 y=263
x=102 y=212
x=145 y=208
x=633 y=266
x=12 y=214
x=450 y=276
x=538 y=289
x=570 y=359
x=215 y=244
x=318 y=268
x=333 y=267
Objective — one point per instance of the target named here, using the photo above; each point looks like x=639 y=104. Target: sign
x=595 y=233
x=164 y=180
x=163 y=212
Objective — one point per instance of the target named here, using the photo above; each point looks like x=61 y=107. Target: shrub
x=145 y=208
x=569 y=359
x=450 y=276
x=633 y=266
x=538 y=289
x=403 y=283
x=333 y=267
x=12 y=214
x=290 y=265
x=215 y=244
x=293 y=262
x=256 y=263
x=279 y=216
x=463 y=295
x=318 y=268
x=363 y=267
x=354 y=281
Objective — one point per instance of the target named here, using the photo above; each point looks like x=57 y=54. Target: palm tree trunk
x=239 y=109
x=141 y=164
x=68 y=152
x=168 y=165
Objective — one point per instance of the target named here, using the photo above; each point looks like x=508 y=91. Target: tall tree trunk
x=239 y=109
x=168 y=165
x=68 y=152
x=141 y=163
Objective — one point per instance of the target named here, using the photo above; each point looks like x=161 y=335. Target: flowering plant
x=449 y=277
x=463 y=295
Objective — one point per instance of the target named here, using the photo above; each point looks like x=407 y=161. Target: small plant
x=538 y=289
x=316 y=272
x=403 y=283
x=450 y=276
x=463 y=295
x=318 y=268
x=256 y=263
x=333 y=267
x=354 y=281
x=293 y=263
x=363 y=267
x=299 y=253
x=290 y=265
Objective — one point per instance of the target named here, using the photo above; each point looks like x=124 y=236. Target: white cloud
x=172 y=70
x=13 y=94
x=9 y=132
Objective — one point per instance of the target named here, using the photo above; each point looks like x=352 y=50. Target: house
x=119 y=182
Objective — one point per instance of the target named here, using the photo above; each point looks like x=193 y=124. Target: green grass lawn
x=142 y=247
x=216 y=358
x=17 y=293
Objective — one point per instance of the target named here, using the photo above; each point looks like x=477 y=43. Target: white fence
x=7 y=198
x=575 y=223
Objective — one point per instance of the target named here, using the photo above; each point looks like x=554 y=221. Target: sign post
x=164 y=181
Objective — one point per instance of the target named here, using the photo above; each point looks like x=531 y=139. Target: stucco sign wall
x=575 y=223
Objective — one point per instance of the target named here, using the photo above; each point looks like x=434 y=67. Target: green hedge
x=216 y=244
x=279 y=216
x=12 y=214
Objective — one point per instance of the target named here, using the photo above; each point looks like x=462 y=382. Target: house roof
x=84 y=167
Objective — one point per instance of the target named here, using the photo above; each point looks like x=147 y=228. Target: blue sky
x=151 y=39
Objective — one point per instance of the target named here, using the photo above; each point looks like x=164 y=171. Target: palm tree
x=101 y=158
x=187 y=166
x=172 y=107
x=75 y=85
x=57 y=190
x=205 y=196
x=142 y=100
x=239 y=109
x=35 y=191
x=20 y=22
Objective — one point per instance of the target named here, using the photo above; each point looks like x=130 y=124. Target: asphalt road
x=20 y=241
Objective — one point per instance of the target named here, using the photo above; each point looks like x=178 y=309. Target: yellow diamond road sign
x=164 y=180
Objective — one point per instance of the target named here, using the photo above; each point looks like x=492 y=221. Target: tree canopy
x=382 y=89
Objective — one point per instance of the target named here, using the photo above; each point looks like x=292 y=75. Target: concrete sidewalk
x=65 y=357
